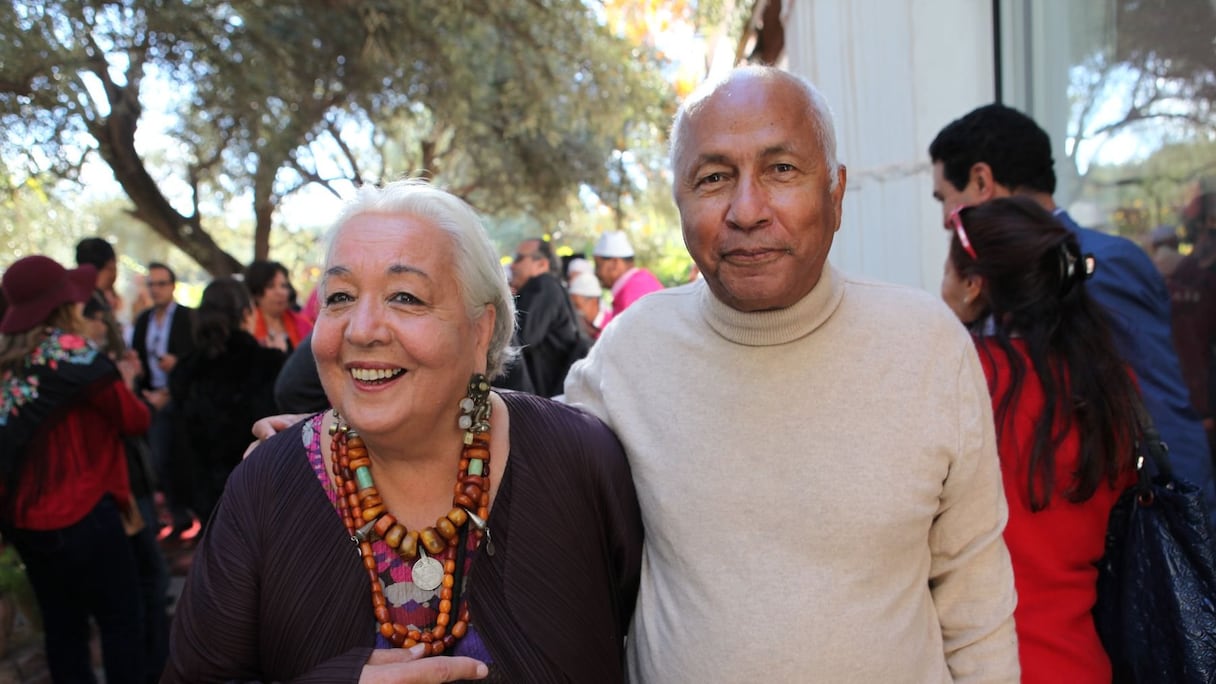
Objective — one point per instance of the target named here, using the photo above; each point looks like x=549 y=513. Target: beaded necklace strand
x=366 y=518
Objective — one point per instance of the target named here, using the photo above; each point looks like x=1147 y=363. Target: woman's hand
x=407 y=666
x=157 y=398
x=266 y=428
x=129 y=368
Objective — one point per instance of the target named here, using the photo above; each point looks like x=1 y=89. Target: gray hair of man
x=478 y=271
x=817 y=107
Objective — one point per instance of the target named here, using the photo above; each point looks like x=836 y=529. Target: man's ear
x=981 y=180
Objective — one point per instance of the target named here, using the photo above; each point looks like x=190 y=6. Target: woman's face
x=273 y=301
x=961 y=294
x=394 y=343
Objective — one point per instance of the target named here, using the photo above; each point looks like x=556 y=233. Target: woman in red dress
x=1062 y=400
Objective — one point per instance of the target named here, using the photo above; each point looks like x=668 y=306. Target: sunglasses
x=956 y=223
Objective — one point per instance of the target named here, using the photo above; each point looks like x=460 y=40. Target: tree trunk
x=115 y=135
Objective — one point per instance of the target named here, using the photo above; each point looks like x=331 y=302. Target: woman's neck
x=415 y=481
x=414 y=473
x=274 y=322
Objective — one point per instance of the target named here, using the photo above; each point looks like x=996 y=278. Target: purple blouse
x=407 y=604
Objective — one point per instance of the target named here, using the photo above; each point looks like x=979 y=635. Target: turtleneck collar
x=765 y=328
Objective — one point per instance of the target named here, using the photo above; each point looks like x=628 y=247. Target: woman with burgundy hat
x=64 y=492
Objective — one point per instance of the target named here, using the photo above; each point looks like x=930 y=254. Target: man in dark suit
x=997 y=151
x=163 y=334
x=548 y=330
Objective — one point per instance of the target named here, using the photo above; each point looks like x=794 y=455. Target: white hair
x=478 y=270
x=818 y=109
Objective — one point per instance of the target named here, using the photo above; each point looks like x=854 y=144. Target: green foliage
x=1151 y=192
x=515 y=105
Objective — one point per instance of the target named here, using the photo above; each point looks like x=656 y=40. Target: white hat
x=578 y=265
x=614 y=244
x=585 y=285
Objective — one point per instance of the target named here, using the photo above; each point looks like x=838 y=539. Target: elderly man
x=585 y=296
x=814 y=455
x=548 y=328
x=997 y=151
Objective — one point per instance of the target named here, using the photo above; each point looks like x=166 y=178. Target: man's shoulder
x=663 y=301
x=650 y=279
x=1124 y=270
x=885 y=294
x=141 y=319
x=543 y=285
x=1113 y=248
x=890 y=309
x=183 y=315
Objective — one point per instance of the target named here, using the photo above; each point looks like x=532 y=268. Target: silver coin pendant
x=427 y=573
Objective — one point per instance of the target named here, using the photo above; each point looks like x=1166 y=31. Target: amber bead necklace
x=366 y=518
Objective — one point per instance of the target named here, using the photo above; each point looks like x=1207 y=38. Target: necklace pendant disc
x=427 y=573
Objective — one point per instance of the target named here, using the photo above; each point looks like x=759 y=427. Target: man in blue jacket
x=996 y=151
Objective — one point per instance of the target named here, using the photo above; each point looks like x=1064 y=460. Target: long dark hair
x=220 y=313
x=1034 y=290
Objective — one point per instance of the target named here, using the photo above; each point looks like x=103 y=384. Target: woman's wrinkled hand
x=268 y=427
x=407 y=666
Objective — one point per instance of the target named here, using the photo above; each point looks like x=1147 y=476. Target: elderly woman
x=483 y=534
x=1063 y=403
x=65 y=499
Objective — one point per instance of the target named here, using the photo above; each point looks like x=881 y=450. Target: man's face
x=527 y=263
x=160 y=287
x=588 y=307
x=754 y=193
x=950 y=196
x=608 y=269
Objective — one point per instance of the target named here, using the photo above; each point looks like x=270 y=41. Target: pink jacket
x=630 y=287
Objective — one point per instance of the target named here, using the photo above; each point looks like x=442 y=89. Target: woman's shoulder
x=283 y=454
x=243 y=353
x=533 y=413
x=548 y=432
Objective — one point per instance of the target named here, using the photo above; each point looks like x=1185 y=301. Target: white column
x=895 y=72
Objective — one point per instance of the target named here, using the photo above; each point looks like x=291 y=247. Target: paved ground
x=24 y=660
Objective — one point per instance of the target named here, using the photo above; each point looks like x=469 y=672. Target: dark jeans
x=82 y=570
x=172 y=471
x=154 y=585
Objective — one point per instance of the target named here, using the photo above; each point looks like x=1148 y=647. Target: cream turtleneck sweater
x=819 y=486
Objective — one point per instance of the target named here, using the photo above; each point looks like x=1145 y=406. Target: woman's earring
x=475 y=408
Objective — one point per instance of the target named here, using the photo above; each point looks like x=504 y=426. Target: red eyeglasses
x=956 y=222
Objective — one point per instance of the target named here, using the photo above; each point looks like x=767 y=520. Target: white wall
x=895 y=72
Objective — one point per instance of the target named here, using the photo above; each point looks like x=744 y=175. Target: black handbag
x=1156 y=608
